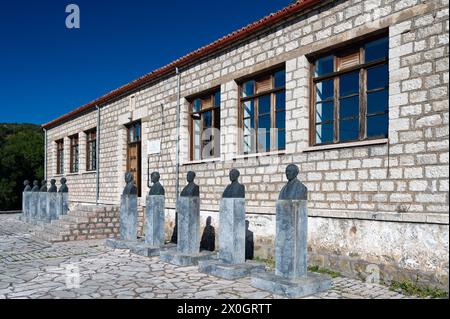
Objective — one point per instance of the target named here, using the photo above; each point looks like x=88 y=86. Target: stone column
x=128 y=217
x=232 y=230
x=155 y=220
x=291 y=249
x=188 y=225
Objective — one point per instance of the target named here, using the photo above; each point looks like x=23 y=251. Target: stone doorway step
x=81 y=223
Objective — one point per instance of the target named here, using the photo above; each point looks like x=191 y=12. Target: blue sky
x=47 y=70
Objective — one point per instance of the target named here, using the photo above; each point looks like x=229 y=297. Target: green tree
x=21 y=157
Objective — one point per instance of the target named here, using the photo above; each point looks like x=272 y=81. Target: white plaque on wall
x=154 y=147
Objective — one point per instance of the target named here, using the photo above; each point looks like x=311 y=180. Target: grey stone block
x=143 y=249
x=291 y=238
x=62 y=206
x=155 y=220
x=232 y=230
x=230 y=271
x=42 y=210
x=188 y=225
x=116 y=243
x=34 y=206
x=26 y=202
x=128 y=217
x=175 y=257
x=292 y=287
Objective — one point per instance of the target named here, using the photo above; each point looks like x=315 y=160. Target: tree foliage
x=21 y=158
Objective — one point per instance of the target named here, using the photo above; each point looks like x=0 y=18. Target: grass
x=410 y=288
x=330 y=272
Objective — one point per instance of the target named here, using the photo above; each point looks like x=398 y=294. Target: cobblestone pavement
x=30 y=268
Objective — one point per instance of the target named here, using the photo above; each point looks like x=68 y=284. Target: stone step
x=75 y=219
x=56 y=230
x=83 y=214
x=90 y=208
x=49 y=237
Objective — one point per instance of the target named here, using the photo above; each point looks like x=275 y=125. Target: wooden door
x=134 y=154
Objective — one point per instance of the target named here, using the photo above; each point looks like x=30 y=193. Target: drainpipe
x=177 y=185
x=97 y=151
x=45 y=154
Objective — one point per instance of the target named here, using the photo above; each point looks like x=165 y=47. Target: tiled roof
x=191 y=57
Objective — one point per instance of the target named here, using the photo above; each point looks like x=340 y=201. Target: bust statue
x=52 y=188
x=26 y=183
x=63 y=188
x=191 y=189
x=43 y=186
x=35 y=186
x=130 y=189
x=235 y=189
x=156 y=188
x=294 y=189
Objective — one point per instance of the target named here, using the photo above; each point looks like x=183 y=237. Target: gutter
x=192 y=57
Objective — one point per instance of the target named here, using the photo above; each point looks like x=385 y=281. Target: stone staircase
x=81 y=223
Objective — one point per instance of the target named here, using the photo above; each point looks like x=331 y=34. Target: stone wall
x=405 y=175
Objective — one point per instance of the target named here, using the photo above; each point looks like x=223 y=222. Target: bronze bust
x=191 y=189
x=156 y=188
x=63 y=188
x=35 y=186
x=43 y=186
x=26 y=183
x=235 y=189
x=130 y=188
x=294 y=189
x=52 y=188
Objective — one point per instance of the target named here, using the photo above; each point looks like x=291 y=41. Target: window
x=204 y=126
x=91 y=150
x=134 y=132
x=350 y=94
x=263 y=113
x=74 y=154
x=60 y=157
x=134 y=159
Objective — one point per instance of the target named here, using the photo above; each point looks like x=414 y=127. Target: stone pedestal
x=62 y=206
x=231 y=263
x=291 y=278
x=155 y=220
x=42 y=211
x=26 y=201
x=52 y=207
x=187 y=252
x=128 y=218
x=34 y=207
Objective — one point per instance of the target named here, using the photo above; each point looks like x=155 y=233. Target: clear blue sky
x=47 y=70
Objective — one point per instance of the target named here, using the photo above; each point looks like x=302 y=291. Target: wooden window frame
x=215 y=109
x=363 y=91
x=60 y=157
x=91 y=166
x=255 y=97
x=74 y=154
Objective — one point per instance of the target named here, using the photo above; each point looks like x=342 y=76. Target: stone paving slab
x=32 y=269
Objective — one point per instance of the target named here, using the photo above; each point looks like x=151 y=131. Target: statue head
x=53 y=182
x=190 y=176
x=247 y=224
x=292 y=172
x=155 y=177
x=208 y=221
x=63 y=180
x=128 y=177
x=234 y=175
x=44 y=182
x=26 y=182
x=35 y=183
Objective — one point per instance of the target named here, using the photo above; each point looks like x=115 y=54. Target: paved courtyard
x=30 y=268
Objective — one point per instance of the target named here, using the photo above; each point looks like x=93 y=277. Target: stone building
x=355 y=92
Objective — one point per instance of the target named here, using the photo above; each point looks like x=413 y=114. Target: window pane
x=280 y=100
x=349 y=107
x=377 y=49
x=324 y=90
x=377 y=77
x=248 y=124
x=281 y=140
x=281 y=119
x=248 y=144
x=348 y=130
x=263 y=140
x=196 y=146
x=377 y=101
x=324 y=133
x=249 y=109
x=324 y=65
x=217 y=99
x=349 y=84
x=207 y=119
x=264 y=122
x=324 y=112
x=264 y=104
x=138 y=132
x=377 y=126
x=280 y=79
x=196 y=105
x=248 y=88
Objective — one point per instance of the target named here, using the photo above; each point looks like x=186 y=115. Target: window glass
x=377 y=49
x=349 y=107
x=377 y=77
x=280 y=79
x=217 y=99
x=377 y=125
x=281 y=120
x=324 y=112
x=248 y=88
x=280 y=101
x=377 y=101
x=324 y=133
x=281 y=139
x=324 y=90
x=264 y=104
x=348 y=130
x=324 y=65
x=349 y=84
x=249 y=109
